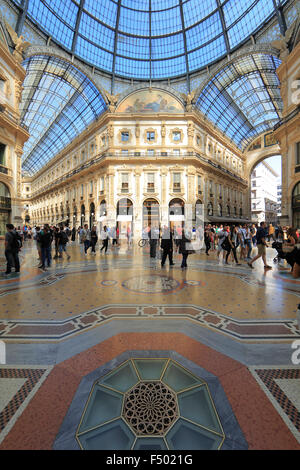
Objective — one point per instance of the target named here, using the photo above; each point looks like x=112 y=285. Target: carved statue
x=189 y=99
x=163 y=130
x=283 y=43
x=112 y=100
x=19 y=43
x=191 y=129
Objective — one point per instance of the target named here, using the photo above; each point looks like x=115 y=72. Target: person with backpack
x=13 y=244
x=62 y=243
x=46 y=239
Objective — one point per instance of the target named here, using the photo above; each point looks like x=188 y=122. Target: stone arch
x=259 y=156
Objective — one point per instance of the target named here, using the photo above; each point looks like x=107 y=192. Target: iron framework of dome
x=150 y=39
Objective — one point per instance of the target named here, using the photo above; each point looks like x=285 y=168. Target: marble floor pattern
x=50 y=319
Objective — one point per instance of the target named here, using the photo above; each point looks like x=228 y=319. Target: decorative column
x=163 y=136
x=164 y=210
x=111 y=210
x=191 y=133
x=138 y=207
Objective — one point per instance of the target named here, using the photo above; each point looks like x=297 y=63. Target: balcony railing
x=98 y=159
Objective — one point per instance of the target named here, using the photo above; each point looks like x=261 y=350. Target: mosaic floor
x=79 y=316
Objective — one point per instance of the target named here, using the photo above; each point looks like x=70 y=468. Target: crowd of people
x=235 y=240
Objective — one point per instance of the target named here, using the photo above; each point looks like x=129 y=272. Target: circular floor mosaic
x=150 y=403
x=152 y=284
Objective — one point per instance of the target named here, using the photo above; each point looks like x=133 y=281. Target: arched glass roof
x=243 y=98
x=150 y=39
x=58 y=103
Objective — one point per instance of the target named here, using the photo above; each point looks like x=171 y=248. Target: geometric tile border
x=34 y=376
x=242 y=330
x=266 y=378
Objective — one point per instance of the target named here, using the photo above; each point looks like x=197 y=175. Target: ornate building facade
x=12 y=134
x=288 y=134
x=149 y=153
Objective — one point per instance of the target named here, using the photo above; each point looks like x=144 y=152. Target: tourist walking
x=153 y=236
x=167 y=246
x=104 y=238
x=62 y=244
x=85 y=238
x=94 y=239
x=261 y=236
x=185 y=248
x=46 y=240
x=13 y=243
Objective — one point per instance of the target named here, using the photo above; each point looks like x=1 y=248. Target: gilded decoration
x=154 y=101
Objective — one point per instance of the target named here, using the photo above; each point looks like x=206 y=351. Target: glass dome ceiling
x=150 y=39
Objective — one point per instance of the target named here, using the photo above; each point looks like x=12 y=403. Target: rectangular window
x=298 y=153
x=176 y=152
x=125 y=153
x=125 y=136
x=2 y=154
x=101 y=183
x=150 y=136
x=176 y=181
x=199 y=184
x=91 y=187
x=150 y=182
x=150 y=153
x=124 y=184
x=82 y=190
x=176 y=136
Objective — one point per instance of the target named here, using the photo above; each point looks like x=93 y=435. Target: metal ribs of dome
x=150 y=39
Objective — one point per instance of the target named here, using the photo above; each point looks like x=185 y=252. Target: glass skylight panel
x=207 y=54
x=204 y=32
x=132 y=68
x=94 y=55
x=160 y=4
x=51 y=23
x=134 y=47
x=195 y=10
x=96 y=32
x=253 y=19
x=107 y=13
x=168 y=46
x=166 y=22
x=59 y=109
x=135 y=22
x=142 y=5
x=234 y=10
x=169 y=67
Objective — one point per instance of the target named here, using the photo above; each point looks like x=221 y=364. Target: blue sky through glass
x=155 y=31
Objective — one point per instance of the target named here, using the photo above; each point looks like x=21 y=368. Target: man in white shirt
x=104 y=238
